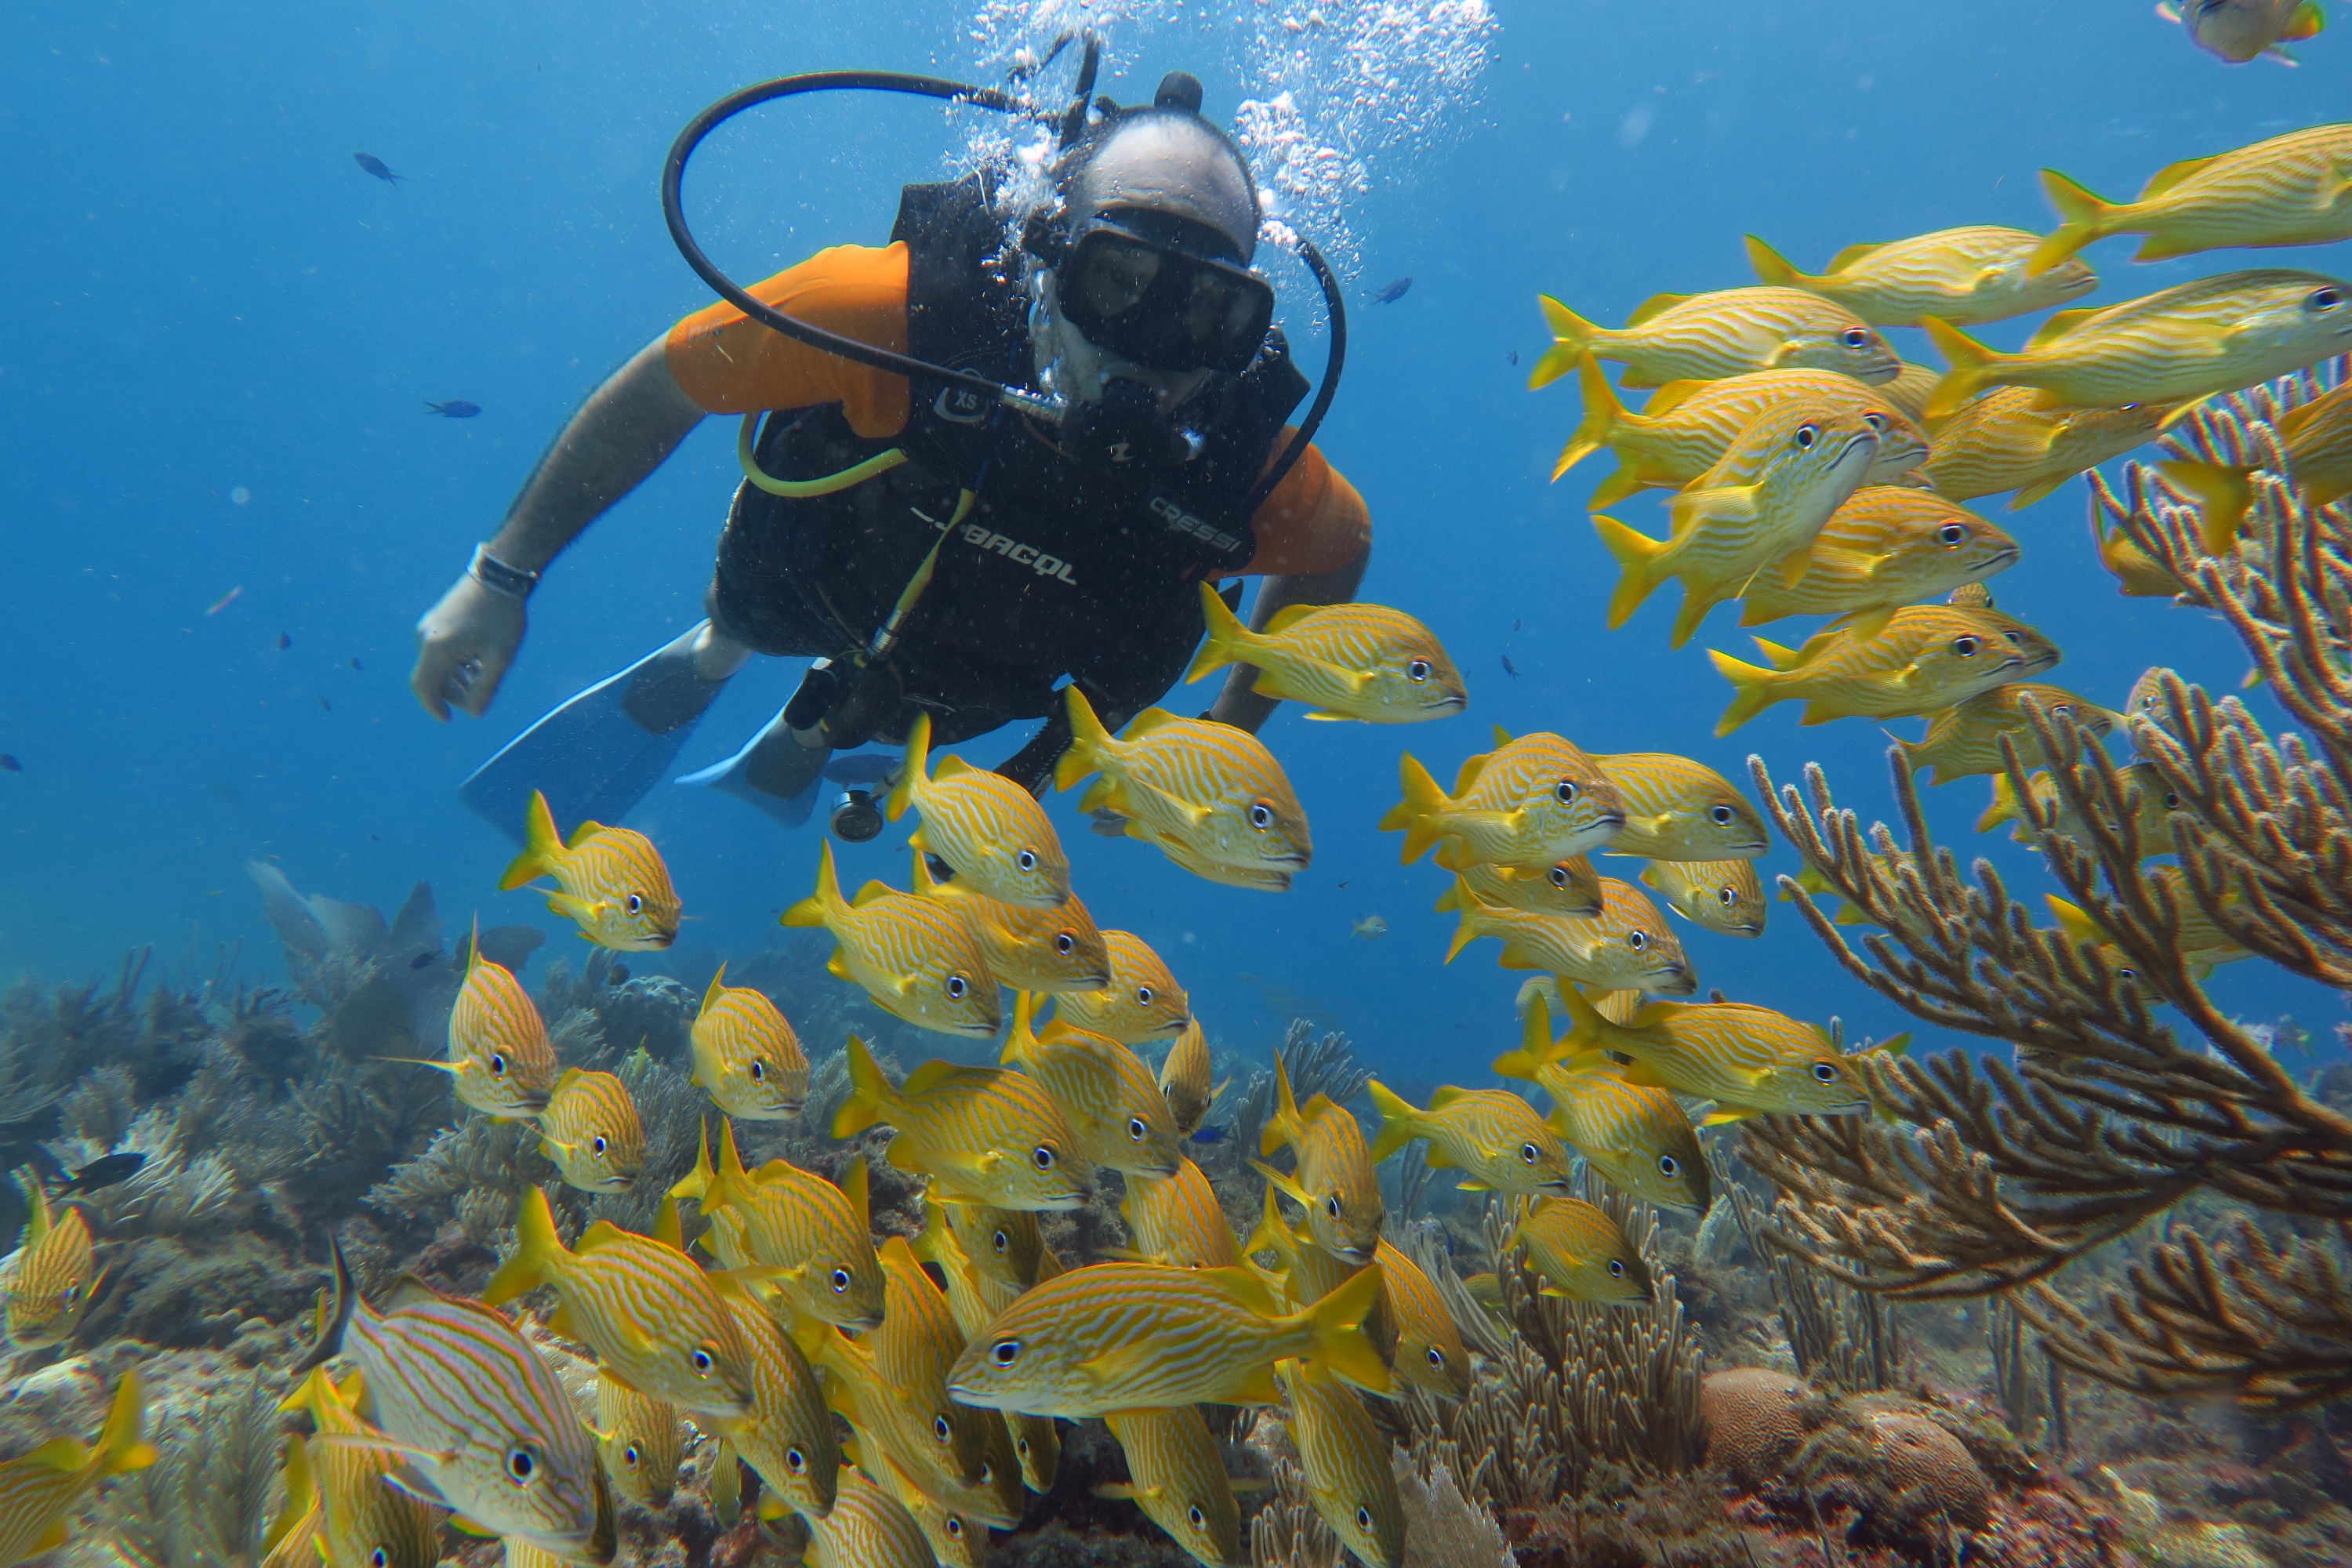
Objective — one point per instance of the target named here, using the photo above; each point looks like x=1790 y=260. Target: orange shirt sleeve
x=1314 y=521
x=730 y=364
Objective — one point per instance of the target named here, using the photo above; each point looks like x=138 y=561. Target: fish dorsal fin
x=1854 y=253
x=1443 y=1096
x=1245 y=1286
x=565 y=1080
x=2062 y=323
x=870 y=893
x=717 y=988
x=580 y=834
x=1147 y=721
x=1502 y=737
x=853 y=1186
x=1655 y=305
x=1669 y=397
x=949 y=767
x=1288 y=616
x=603 y=1233
x=2171 y=175
x=935 y=1074
x=408 y=1291
x=668 y=1229
x=1468 y=774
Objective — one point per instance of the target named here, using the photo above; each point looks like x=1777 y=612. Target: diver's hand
x=464 y=645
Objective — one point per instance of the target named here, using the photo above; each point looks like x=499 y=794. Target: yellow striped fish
x=1928 y=658
x=1136 y=1336
x=2289 y=190
x=38 y=1490
x=1307 y=1273
x=590 y=1129
x=2138 y=575
x=1107 y=1098
x=1964 y=276
x=1705 y=337
x=1725 y=896
x=746 y=1056
x=1052 y=949
x=2188 y=342
x=2202 y=943
x=1627 y=947
x=1345 y=1458
x=956 y=1541
x=1964 y=741
x=643 y=1441
x=1684 y=430
x=1762 y=504
x=1888 y=546
x=918 y=1342
x=1346 y=661
x=651 y=1315
x=2153 y=819
x=1200 y=863
x=1004 y=1243
x=456 y=1385
x=787 y=1434
x=2317 y=438
x=1570 y=887
x=803 y=1234
x=1492 y=1136
x=53 y=1273
x=1141 y=1004
x=1212 y=788
x=984 y=1135
x=1636 y=1135
x=1037 y=1444
x=293 y=1539
x=1910 y=389
x=1177 y=1220
x=1334 y=1181
x=974 y=1297
x=1744 y=1058
x=988 y=828
x=888 y=1426
x=1428 y=1350
x=365 y=1520
x=1178 y=1479
x=2004 y=442
x=1530 y=801
x=1580 y=1254
x=1188 y=1079
x=1677 y=809
x=610 y=880
x=868 y=1528
x=500 y=1061
x=913 y=956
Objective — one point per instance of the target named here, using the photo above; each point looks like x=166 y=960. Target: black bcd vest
x=1059 y=568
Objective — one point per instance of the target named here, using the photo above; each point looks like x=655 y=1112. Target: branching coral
x=1992 y=1176
x=1325 y=1065
x=205 y=1502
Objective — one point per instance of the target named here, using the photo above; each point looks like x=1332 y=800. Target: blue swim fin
x=735 y=775
x=592 y=756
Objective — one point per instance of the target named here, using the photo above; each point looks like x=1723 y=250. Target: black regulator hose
x=1333 y=363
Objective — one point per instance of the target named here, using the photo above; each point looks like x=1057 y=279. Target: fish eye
x=1004 y=1352
x=521 y=1465
x=701 y=1361
x=955 y=988
x=2171 y=800
x=840 y=1280
x=2325 y=299
x=1530 y=1153
x=1854 y=338
x=1824 y=1072
x=796 y=1461
x=1806 y=435
x=1001 y=1242
x=1135 y=1130
x=1261 y=815
x=1558 y=876
x=1363 y=1518
x=1721 y=815
x=1637 y=940
x=1331 y=1204
x=1143 y=995
x=630 y=1457
x=758 y=1070
x=1194 y=1516
x=1041 y=1156
x=1727 y=896
x=1874 y=420
x=1565 y=792
x=1616 y=1269
x=1417 y=671
x=1437 y=1358
x=1065 y=944
x=941 y=1429
x=1026 y=860
x=597 y=1144
x=1952 y=533
x=955 y=1527
x=1966 y=646
x=637 y=904
x=498 y=1064
x=379 y=1558
x=1669 y=1167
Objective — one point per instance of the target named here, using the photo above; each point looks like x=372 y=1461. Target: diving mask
x=1159 y=304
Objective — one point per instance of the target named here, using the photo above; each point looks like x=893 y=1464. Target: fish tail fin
x=2222 y=493
x=1637 y=555
x=826 y=901
x=870 y=1094
x=1466 y=928
x=1021 y=1040
x=2074 y=920
x=2308 y=22
x=1335 y=1326
x=1282 y=1125
x=315 y=1393
x=329 y=1340
x=1400 y=1122
x=2001 y=807
x=2082 y=219
x=1751 y=693
x=541 y=843
x=120 y=1447
x=1973 y=366
x=912 y=770
x=730 y=1183
x=535 y=1243
x=1771 y=267
x=1087 y=737
x=1604 y=416
x=1270 y=1235
x=1228 y=639
x=1571 y=339
x=1587 y=1029
x=1418 y=812
x=698 y=1184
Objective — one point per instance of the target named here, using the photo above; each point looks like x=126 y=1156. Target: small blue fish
x=1515 y=356
x=456 y=408
x=9 y=765
x=374 y=165
x=284 y=642
x=1208 y=1135
x=1509 y=668
x=1394 y=292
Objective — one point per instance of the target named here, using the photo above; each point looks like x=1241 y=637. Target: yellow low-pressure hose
x=800 y=490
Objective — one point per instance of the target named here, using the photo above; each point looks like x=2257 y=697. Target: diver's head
x=1145 y=291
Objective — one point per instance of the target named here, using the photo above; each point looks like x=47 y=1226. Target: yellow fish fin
x=1852 y=254
x=1795 y=564
x=1288 y=616
x=2061 y=323
x=1867 y=624
x=1974 y=366
x=1723 y=1114
x=1603 y=418
x=1751 y=686
x=1228 y=641
x=542 y=848
x=1088 y=741
x=2083 y=218
x=2075 y=921
x=869 y=893
x=1283 y=1182
x=2171 y=175
x=1773 y=268
x=1572 y=336
x=836 y=965
x=1400 y=1122
x=1655 y=305
x=1641 y=565
x=912 y=770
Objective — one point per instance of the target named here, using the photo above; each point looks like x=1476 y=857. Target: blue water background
x=207 y=297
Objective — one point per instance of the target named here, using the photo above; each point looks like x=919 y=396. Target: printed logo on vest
x=959 y=405
x=1183 y=521
x=1020 y=554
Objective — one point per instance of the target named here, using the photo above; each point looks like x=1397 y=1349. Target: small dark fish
x=1517 y=625
x=421 y=959
x=456 y=408
x=104 y=1171
x=1208 y=1134
x=1515 y=356
x=355 y=663
x=284 y=642
x=1509 y=668
x=9 y=765
x=327 y=705
x=618 y=974
x=1394 y=292
x=1343 y=884
x=374 y=165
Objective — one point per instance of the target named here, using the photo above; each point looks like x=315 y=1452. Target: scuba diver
x=928 y=549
